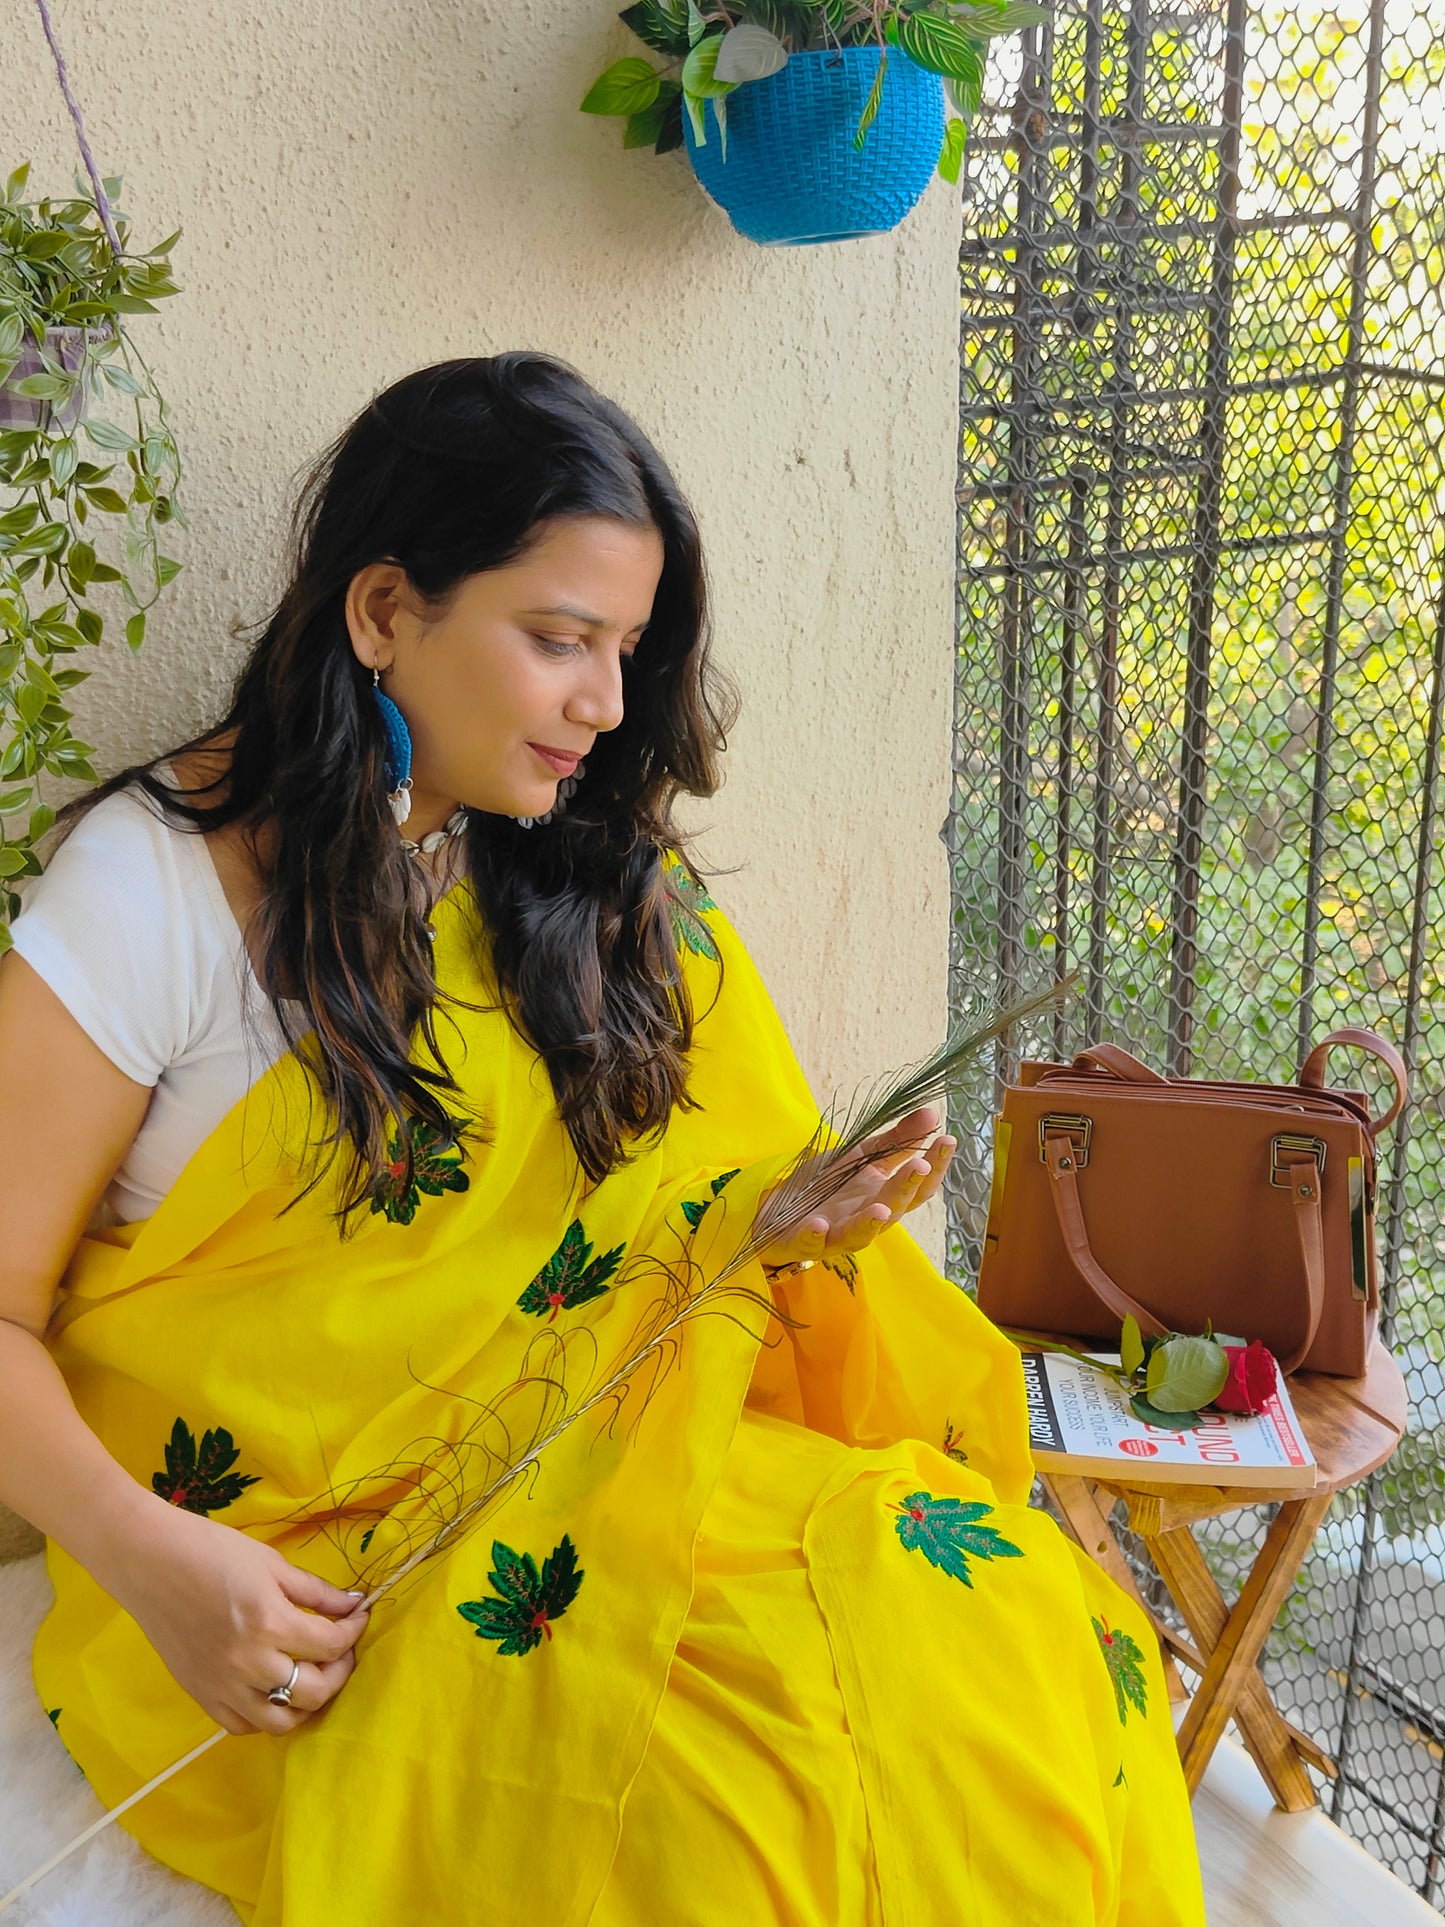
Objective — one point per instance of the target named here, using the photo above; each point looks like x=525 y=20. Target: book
x=1080 y=1422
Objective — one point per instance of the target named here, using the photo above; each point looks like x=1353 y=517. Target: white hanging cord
x=107 y=219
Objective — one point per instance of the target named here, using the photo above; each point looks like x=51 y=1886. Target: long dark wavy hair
x=451 y=472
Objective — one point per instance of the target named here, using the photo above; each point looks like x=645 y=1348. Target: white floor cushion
x=45 y=1801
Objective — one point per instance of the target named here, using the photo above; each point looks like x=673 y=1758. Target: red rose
x=1253 y=1376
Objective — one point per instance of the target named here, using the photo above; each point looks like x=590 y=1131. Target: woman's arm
x=222 y=1610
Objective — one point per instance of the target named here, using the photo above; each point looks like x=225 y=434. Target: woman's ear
x=376 y=598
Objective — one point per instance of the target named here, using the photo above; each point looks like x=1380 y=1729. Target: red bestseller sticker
x=1141 y=1448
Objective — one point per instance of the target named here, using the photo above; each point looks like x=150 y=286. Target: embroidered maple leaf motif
x=527 y=1601
x=200 y=1479
x=687 y=901
x=693 y=1209
x=571 y=1275
x=1125 y=1661
x=54 y=1717
x=948 y=1533
x=436 y=1159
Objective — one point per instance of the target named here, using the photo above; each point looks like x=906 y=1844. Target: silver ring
x=281 y=1695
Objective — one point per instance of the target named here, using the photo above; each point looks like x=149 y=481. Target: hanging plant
x=88 y=478
x=806 y=69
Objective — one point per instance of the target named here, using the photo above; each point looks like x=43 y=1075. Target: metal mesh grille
x=1201 y=665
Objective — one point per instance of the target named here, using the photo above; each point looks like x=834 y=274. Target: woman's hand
x=226 y=1614
x=897 y=1178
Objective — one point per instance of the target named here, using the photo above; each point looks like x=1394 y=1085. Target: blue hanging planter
x=793 y=176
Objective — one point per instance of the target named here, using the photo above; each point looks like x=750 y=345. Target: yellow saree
x=775 y=1639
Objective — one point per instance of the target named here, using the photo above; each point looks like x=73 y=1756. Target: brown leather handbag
x=1117 y=1190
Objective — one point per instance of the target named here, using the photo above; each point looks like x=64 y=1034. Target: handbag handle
x=1312 y=1075
x=1109 y=1057
x=1060 y=1155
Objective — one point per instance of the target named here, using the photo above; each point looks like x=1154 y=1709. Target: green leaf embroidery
x=436 y=1160
x=1125 y=1661
x=366 y=1537
x=947 y=1533
x=693 y=1210
x=527 y=1601
x=200 y=1480
x=571 y=1275
x=688 y=901
x=54 y=1717
x=953 y=1444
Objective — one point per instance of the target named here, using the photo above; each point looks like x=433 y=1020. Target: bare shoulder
x=80 y=1115
x=203 y=774
x=205 y=769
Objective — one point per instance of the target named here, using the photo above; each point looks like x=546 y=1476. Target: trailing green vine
x=88 y=476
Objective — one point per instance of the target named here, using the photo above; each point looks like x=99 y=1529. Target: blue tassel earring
x=398 y=751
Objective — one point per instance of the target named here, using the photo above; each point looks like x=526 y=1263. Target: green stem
x=1030 y=1342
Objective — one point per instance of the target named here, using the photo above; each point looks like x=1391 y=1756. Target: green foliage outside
x=1367 y=496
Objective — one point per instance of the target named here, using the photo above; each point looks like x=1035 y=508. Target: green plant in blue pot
x=809 y=120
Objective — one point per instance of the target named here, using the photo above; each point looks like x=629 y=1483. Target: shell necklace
x=434 y=839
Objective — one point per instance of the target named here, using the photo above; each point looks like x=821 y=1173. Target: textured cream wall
x=367 y=188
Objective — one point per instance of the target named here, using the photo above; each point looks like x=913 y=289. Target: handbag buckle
x=1079 y=1130
x=1280 y=1174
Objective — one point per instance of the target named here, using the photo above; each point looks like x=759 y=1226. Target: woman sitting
x=383 y=1085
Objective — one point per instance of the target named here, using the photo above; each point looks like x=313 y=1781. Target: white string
x=107 y=219
x=99 y=1826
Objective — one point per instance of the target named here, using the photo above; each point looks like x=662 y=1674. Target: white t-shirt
x=129 y=926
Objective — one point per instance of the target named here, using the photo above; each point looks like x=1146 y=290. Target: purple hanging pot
x=65 y=345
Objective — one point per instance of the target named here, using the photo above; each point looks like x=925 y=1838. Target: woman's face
x=525 y=660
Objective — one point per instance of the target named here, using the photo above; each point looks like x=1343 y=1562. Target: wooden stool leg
x=1088 y=1521
x=1239 y=1645
x=1270 y=1739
